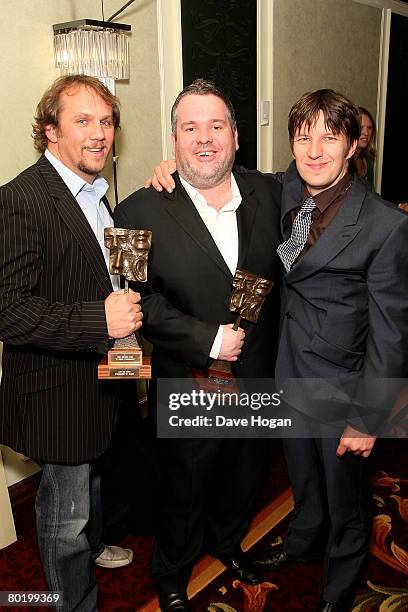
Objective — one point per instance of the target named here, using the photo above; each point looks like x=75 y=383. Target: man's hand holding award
x=248 y=295
x=129 y=250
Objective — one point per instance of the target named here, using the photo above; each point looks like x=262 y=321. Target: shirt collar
x=74 y=182
x=328 y=196
x=199 y=200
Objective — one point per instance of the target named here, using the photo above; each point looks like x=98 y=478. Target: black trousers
x=209 y=487
x=332 y=505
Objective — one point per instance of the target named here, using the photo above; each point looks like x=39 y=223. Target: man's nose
x=204 y=135
x=97 y=132
x=315 y=148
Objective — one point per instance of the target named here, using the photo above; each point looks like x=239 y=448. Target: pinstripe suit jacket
x=53 y=280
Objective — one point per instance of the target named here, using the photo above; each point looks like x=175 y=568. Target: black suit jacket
x=53 y=280
x=189 y=284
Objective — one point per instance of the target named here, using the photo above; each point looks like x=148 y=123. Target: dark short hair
x=50 y=105
x=340 y=114
x=202 y=87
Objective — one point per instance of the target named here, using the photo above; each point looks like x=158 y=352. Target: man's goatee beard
x=86 y=170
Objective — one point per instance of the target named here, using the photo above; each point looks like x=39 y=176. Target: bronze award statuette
x=129 y=250
x=247 y=298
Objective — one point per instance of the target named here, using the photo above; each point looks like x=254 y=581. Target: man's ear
x=173 y=144
x=51 y=132
x=352 y=149
x=236 y=139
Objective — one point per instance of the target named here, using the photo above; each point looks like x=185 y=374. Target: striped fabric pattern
x=53 y=281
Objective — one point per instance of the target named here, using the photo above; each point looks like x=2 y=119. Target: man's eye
x=107 y=123
x=330 y=138
x=82 y=121
x=217 y=127
x=190 y=129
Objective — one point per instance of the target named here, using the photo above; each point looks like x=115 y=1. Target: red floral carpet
x=125 y=589
x=383 y=588
x=384 y=584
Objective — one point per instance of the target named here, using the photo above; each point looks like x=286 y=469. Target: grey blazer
x=345 y=308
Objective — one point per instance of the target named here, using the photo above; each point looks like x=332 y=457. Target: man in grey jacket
x=344 y=322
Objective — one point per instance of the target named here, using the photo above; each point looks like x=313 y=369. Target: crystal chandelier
x=95 y=48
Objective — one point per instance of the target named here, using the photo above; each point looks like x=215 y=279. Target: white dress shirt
x=222 y=225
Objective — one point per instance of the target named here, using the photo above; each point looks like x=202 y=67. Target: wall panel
x=318 y=44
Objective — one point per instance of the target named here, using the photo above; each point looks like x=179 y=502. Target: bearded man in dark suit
x=57 y=313
x=214 y=222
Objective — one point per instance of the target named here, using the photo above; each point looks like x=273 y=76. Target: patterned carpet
x=384 y=584
x=383 y=587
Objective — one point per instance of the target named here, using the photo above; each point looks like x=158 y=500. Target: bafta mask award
x=128 y=253
x=248 y=295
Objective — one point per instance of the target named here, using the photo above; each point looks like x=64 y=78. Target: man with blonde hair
x=58 y=311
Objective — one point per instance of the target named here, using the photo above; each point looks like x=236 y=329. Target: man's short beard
x=87 y=170
x=203 y=181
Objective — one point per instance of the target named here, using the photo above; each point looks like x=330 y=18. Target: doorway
x=393 y=185
x=219 y=44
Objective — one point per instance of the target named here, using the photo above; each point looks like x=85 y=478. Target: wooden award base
x=221 y=370
x=218 y=377
x=124 y=370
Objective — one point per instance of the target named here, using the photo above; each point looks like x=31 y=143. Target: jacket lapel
x=245 y=218
x=107 y=206
x=71 y=214
x=291 y=198
x=183 y=211
x=336 y=237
